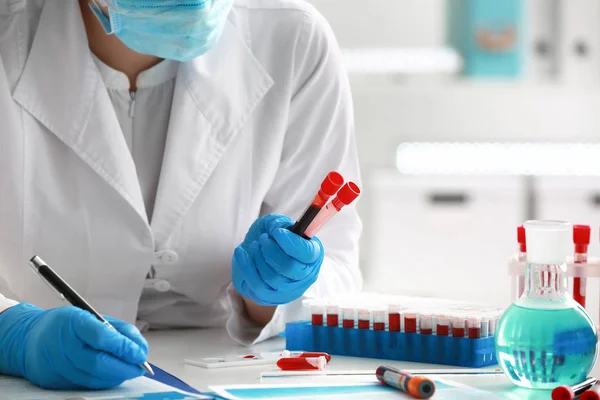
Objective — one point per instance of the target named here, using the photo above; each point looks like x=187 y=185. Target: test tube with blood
x=581 y=239
x=317 y=311
x=474 y=327
x=394 y=312
x=330 y=185
x=379 y=319
x=364 y=319
x=410 y=321
x=442 y=325
x=302 y=363
x=348 y=317
x=346 y=195
x=333 y=314
x=458 y=326
x=425 y=324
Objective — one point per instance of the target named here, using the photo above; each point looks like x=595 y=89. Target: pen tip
x=148 y=368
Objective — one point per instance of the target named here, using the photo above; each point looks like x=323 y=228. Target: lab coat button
x=168 y=257
x=162 y=285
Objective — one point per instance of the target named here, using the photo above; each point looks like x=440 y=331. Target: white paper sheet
x=19 y=389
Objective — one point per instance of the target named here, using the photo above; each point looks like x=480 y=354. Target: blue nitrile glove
x=68 y=348
x=273 y=265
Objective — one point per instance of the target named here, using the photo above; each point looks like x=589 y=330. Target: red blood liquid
x=410 y=324
x=378 y=326
x=348 y=323
x=332 y=320
x=458 y=332
x=442 y=330
x=363 y=324
x=426 y=331
x=317 y=319
x=298 y=363
x=474 y=333
x=395 y=322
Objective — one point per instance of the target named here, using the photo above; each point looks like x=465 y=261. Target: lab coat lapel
x=214 y=96
x=63 y=90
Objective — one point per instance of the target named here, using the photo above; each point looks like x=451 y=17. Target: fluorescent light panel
x=402 y=60
x=556 y=159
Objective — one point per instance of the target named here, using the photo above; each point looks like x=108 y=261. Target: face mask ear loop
x=107 y=22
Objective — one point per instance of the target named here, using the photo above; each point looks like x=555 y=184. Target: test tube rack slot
x=399 y=346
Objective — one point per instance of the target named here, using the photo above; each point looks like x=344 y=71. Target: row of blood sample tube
x=581 y=241
x=472 y=324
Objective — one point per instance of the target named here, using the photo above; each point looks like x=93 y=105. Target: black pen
x=66 y=292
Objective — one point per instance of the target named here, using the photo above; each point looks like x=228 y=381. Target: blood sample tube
x=333 y=315
x=425 y=324
x=581 y=239
x=592 y=393
x=410 y=321
x=394 y=312
x=485 y=326
x=302 y=363
x=419 y=387
x=347 y=194
x=330 y=185
x=458 y=326
x=474 y=327
x=442 y=325
x=348 y=317
x=364 y=319
x=379 y=319
x=521 y=256
x=317 y=311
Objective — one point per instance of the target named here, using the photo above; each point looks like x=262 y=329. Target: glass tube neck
x=546 y=282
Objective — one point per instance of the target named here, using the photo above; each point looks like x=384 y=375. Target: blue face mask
x=173 y=29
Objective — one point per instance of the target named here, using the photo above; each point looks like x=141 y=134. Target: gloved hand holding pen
x=273 y=265
x=68 y=348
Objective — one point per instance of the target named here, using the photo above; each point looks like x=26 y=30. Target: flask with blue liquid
x=546 y=338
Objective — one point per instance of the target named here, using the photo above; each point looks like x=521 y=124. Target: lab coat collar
x=62 y=88
x=215 y=96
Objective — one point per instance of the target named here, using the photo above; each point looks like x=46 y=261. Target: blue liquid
x=542 y=349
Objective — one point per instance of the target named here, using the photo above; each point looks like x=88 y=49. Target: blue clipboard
x=166 y=378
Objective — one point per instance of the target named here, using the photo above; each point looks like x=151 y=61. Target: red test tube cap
x=332 y=183
x=521 y=235
x=590 y=395
x=348 y=193
x=581 y=234
x=563 y=393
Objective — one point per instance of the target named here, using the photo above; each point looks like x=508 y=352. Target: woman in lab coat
x=135 y=175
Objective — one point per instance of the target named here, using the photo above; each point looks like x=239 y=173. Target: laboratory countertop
x=169 y=349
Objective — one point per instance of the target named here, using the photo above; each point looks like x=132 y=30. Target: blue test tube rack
x=399 y=346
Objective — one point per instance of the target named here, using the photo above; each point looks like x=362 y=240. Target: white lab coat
x=256 y=124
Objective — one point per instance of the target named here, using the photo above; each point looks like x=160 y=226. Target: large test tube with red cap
x=581 y=239
x=347 y=194
x=522 y=256
x=330 y=185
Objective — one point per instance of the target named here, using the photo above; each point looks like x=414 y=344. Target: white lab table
x=168 y=349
